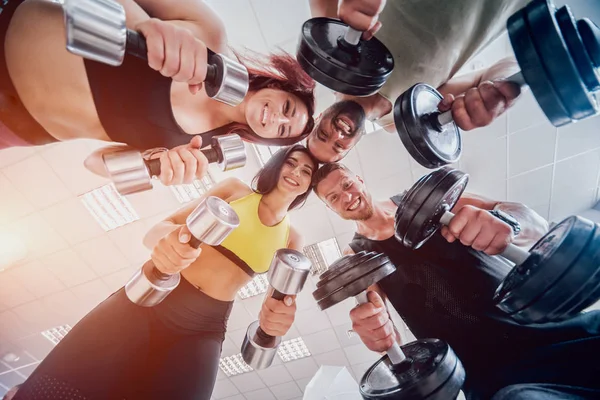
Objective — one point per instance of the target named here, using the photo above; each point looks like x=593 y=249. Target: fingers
x=187 y=61
x=510 y=90
x=154 y=43
x=183 y=164
x=373 y=31
x=445 y=232
x=173 y=253
x=501 y=240
x=201 y=163
x=166 y=169
x=276 y=316
x=446 y=103
x=476 y=108
x=361 y=15
x=479 y=229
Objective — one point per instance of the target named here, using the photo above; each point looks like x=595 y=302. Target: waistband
x=188 y=310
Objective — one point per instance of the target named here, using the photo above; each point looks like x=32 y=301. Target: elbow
x=95 y=164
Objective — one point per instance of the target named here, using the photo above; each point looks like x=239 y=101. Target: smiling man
x=444 y=290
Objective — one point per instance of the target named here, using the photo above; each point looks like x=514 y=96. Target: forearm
x=324 y=8
x=157 y=232
x=95 y=161
x=460 y=84
x=533 y=225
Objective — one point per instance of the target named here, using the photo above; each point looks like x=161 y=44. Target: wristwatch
x=507 y=218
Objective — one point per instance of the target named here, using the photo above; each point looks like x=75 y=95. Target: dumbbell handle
x=262 y=338
x=446 y=117
x=136 y=46
x=352 y=36
x=195 y=243
x=395 y=353
x=512 y=252
x=153 y=165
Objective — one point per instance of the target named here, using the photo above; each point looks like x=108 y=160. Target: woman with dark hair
x=171 y=351
x=48 y=94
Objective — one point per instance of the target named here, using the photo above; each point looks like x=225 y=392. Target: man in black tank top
x=444 y=290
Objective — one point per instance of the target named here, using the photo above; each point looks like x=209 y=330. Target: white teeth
x=345 y=126
x=264 y=115
x=354 y=205
x=291 y=182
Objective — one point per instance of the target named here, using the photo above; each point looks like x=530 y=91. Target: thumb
x=446 y=102
x=508 y=89
x=184 y=234
x=288 y=301
x=196 y=142
x=375 y=299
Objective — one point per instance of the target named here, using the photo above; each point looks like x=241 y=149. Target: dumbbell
x=131 y=173
x=287 y=275
x=210 y=223
x=559 y=59
x=96 y=30
x=555 y=280
x=334 y=55
x=423 y=369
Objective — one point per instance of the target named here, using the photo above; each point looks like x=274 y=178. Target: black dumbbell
x=334 y=55
x=423 y=369
x=131 y=173
x=559 y=60
x=287 y=275
x=96 y=30
x=556 y=279
x=210 y=223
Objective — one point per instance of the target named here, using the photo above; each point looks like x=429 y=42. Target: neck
x=375 y=106
x=277 y=203
x=378 y=221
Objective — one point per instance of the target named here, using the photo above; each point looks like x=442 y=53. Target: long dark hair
x=276 y=71
x=266 y=179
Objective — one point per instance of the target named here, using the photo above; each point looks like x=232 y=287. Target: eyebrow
x=305 y=165
x=291 y=116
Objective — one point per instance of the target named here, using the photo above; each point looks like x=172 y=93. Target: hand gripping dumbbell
x=287 y=275
x=556 y=279
x=334 y=55
x=96 y=30
x=131 y=173
x=423 y=369
x=210 y=223
x=559 y=59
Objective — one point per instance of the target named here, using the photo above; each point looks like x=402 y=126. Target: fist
x=362 y=15
x=173 y=253
x=479 y=229
x=276 y=316
x=175 y=52
x=183 y=164
x=480 y=105
x=372 y=323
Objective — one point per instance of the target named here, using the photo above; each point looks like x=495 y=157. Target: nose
x=296 y=172
x=281 y=119
x=346 y=196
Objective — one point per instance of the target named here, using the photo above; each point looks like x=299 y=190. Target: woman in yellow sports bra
x=171 y=351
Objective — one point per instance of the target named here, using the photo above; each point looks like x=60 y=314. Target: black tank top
x=444 y=290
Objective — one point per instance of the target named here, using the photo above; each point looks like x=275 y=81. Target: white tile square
x=275 y=375
x=228 y=348
x=321 y=342
x=72 y=221
x=303 y=368
x=286 y=391
x=254 y=304
x=525 y=113
x=34 y=178
x=531 y=148
x=102 y=255
x=340 y=313
x=304 y=299
x=13 y=327
x=382 y=155
x=117 y=280
x=237 y=336
x=341 y=331
x=302 y=383
x=261 y=394
x=344 y=239
x=11 y=379
x=38 y=280
x=14 y=204
x=247 y=382
x=28 y=370
x=12 y=293
x=274 y=31
x=38 y=236
x=129 y=239
x=224 y=388
x=359 y=370
x=36 y=345
x=13 y=155
x=339 y=224
x=311 y=321
x=312 y=223
x=239 y=318
x=92 y=293
x=359 y=353
x=388 y=187
x=484 y=159
x=532 y=188
x=69 y=267
x=334 y=358
x=578 y=138
x=37 y=316
x=67 y=306
x=156 y=201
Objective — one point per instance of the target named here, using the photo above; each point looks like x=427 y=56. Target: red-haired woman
x=48 y=94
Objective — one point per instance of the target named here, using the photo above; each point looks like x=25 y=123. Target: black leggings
x=124 y=351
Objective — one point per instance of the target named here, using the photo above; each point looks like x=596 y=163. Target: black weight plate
x=342 y=264
x=357 y=286
x=548 y=259
x=581 y=58
x=443 y=198
x=574 y=277
x=554 y=54
x=413 y=199
x=334 y=84
x=432 y=363
x=406 y=139
x=354 y=272
x=450 y=389
x=417 y=108
x=583 y=283
x=366 y=64
x=590 y=35
x=533 y=71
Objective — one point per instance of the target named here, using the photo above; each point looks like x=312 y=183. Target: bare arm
x=295 y=240
x=533 y=226
x=227 y=189
x=459 y=85
x=324 y=8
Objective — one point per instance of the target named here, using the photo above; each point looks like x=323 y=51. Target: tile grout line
x=553 y=173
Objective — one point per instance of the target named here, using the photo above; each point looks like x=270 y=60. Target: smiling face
x=276 y=114
x=339 y=129
x=296 y=173
x=346 y=194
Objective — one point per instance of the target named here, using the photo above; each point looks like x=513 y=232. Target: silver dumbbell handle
x=446 y=117
x=352 y=36
x=395 y=353
x=512 y=252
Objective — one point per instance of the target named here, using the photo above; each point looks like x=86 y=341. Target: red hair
x=276 y=71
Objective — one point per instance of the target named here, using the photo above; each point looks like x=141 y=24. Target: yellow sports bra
x=252 y=245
